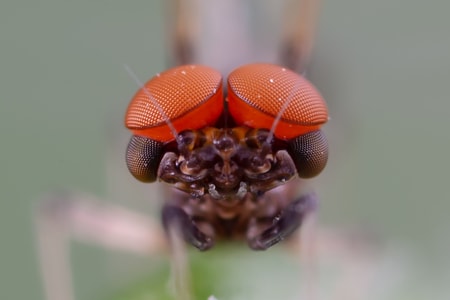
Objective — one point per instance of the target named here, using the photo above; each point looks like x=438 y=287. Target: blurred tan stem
x=180 y=266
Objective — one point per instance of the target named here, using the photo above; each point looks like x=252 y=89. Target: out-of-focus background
x=383 y=66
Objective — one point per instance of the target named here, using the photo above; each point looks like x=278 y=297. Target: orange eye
x=191 y=97
x=257 y=93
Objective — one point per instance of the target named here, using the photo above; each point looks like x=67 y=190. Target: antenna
x=281 y=112
x=155 y=103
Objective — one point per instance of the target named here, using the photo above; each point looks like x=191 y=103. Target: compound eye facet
x=143 y=158
x=191 y=97
x=309 y=153
x=258 y=92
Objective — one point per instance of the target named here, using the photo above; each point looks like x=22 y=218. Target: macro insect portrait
x=229 y=157
x=209 y=171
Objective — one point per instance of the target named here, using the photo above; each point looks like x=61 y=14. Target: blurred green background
x=383 y=66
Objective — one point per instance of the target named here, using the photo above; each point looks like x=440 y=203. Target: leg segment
x=62 y=217
x=175 y=217
x=299 y=33
x=285 y=223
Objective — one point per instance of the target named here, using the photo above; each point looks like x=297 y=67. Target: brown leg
x=284 y=224
x=182 y=30
x=176 y=217
x=298 y=33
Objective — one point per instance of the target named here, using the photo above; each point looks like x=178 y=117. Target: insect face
x=227 y=175
x=226 y=164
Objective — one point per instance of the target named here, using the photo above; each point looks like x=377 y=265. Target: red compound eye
x=257 y=93
x=191 y=96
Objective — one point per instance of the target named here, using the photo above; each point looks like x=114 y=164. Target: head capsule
x=261 y=96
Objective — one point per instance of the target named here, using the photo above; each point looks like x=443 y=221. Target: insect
x=231 y=152
x=229 y=156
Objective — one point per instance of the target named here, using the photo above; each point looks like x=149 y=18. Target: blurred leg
x=60 y=218
x=226 y=34
x=299 y=33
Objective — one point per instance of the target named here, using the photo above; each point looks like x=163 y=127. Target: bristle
x=155 y=103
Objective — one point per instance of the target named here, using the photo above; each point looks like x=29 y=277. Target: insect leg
x=183 y=30
x=285 y=223
x=61 y=217
x=298 y=34
x=177 y=218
